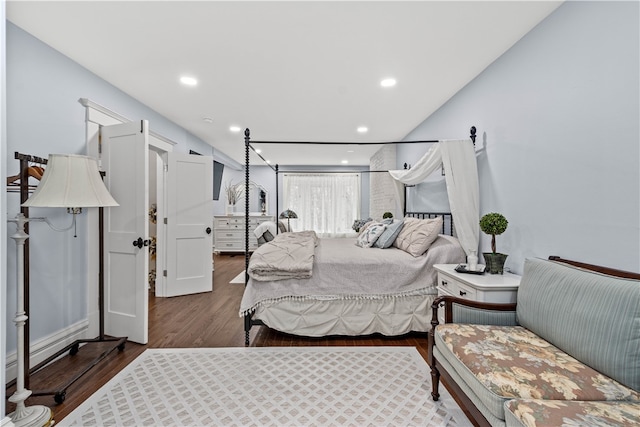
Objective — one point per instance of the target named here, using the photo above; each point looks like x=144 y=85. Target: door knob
x=208 y=230
x=140 y=243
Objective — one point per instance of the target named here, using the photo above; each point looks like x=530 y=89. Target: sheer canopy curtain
x=325 y=203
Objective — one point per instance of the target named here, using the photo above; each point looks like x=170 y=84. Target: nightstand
x=495 y=288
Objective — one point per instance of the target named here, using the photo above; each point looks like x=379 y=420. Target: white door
x=189 y=224
x=125 y=159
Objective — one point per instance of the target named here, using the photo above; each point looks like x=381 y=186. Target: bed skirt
x=350 y=317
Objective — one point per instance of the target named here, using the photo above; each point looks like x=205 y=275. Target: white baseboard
x=47 y=346
x=6 y=422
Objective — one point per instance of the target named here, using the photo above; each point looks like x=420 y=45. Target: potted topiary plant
x=494 y=224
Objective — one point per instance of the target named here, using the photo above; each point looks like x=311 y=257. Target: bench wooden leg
x=435 y=382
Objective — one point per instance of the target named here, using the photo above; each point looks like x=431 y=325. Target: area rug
x=239 y=278
x=271 y=386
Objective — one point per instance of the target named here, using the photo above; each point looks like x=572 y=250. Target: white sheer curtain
x=325 y=203
x=461 y=175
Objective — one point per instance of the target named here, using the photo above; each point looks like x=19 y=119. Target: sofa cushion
x=544 y=413
x=591 y=316
x=504 y=362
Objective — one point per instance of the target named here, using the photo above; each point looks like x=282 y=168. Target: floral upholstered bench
x=545 y=413
x=570 y=347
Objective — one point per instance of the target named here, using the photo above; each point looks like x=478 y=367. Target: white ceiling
x=292 y=70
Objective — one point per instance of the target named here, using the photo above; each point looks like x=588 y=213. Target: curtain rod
x=327 y=172
x=344 y=143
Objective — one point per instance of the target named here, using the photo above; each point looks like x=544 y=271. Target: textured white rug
x=239 y=278
x=271 y=386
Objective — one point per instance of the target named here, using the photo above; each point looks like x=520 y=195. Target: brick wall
x=383 y=191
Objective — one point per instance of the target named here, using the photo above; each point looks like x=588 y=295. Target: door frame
x=97 y=115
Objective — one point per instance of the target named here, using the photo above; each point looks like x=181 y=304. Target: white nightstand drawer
x=450 y=286
x=496 y=288
x=465 y=292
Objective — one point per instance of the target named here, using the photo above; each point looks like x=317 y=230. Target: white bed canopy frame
x=461 y=176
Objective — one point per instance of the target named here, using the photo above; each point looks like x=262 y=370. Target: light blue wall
x=43 y=117
x=559 y=137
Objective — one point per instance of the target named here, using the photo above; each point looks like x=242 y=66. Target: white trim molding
x=102 y=115
x=47 y=346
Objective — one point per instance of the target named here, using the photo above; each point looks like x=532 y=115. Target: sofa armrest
x=460 y=310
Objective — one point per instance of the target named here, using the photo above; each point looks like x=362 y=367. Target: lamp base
x=32 y=416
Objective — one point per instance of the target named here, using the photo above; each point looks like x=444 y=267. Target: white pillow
x=367 y=238
x=418 y=234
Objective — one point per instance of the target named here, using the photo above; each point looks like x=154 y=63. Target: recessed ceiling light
x=390 y=82
x=234 y=128
x=350 y=151
x=189 y=81
x=363 y=129
x=344 y=162
x=207 y=119
x=258 y=150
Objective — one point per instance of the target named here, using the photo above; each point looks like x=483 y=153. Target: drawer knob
x=444 y=283
x=462 y=293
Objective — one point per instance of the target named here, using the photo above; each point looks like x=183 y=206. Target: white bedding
x=354 y=291
x=351 y=317
x=287 y=256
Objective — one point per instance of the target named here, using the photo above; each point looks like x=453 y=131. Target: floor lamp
x=72 y=182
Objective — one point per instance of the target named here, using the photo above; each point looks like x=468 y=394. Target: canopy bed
x=304 y=285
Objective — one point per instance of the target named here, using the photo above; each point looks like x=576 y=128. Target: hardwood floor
x=201 y=320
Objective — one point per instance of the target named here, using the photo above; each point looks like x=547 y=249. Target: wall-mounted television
x=218 y=168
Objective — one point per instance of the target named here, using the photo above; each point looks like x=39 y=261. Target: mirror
x=257 y=199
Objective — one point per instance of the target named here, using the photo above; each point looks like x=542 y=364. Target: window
x=325 y=203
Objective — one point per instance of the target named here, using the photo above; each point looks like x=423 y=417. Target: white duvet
x=342 y=270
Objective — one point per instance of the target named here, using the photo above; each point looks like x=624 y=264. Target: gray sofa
x=567 y=353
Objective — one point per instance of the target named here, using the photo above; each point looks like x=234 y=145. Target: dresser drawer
x=230 y=222
x=230 y=234
x=260 y=219
x=230 y=246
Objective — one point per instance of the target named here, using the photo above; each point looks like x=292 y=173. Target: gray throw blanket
x=287 y=256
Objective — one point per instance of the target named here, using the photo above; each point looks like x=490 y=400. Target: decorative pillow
x=389 y=235
x=370 y=235
x=418 y=234
x=365 y=226
x=359 y=223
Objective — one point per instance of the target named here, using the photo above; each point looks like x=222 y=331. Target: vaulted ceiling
x=290 y=70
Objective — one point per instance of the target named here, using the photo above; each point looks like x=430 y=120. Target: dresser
x=229 y=232
x=495 y=288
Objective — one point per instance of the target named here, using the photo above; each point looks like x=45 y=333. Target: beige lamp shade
x=71 y=181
